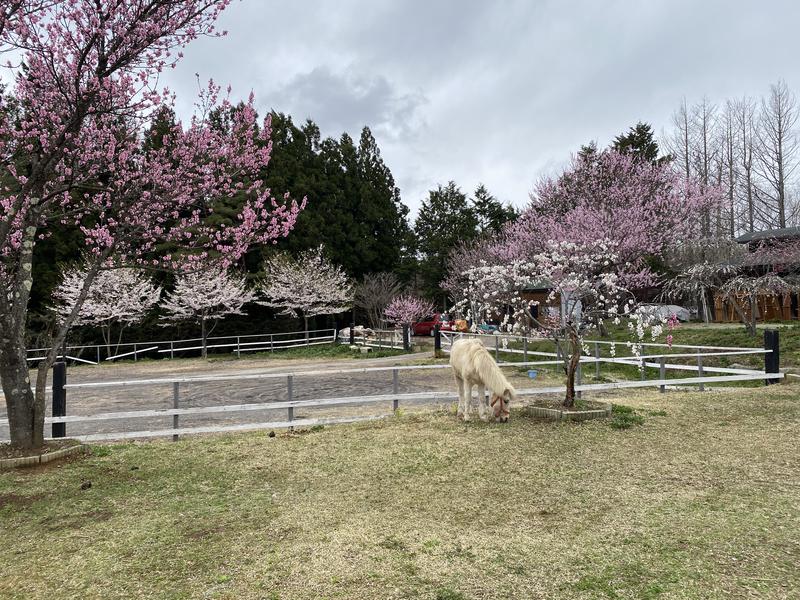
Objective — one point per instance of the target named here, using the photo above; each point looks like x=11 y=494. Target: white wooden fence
x=393 y=399
x=379 y=339
x=501 y=343
x=94 y=354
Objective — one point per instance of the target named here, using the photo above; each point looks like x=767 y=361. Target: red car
x=426 y=327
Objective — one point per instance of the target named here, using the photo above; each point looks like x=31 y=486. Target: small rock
x=134 y=468
x=271 y=434
x=86 y=485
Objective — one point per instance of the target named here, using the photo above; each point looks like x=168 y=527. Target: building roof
x=769 y=234
x=538 y=286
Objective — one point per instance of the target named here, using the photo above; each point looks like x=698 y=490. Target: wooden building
x=770 y=308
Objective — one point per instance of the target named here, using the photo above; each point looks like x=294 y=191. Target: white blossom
x=116 y=298
x=306 y=286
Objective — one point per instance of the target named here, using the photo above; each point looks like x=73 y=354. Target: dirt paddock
x=86 y=401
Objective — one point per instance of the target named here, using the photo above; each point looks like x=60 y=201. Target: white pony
x=473 y=365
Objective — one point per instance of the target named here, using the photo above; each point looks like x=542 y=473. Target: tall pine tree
x=445 y=219
x=490 y=213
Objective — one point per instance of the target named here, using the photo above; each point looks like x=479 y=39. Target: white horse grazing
x=473 y=366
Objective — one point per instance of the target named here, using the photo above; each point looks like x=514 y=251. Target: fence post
x=238 y=349
x=289 y=396
x=59 y=430
x=772 y=359
x=497 y=348
x=135 y=355
x=406 y=338
x=437 y=342
x=395 y=389
x=596 y=360
x=98 y=355
x=353 y=333
x=644 y=366
x=662 y=374
x=172 y=349
x=175 y=404
x=525 y=349
x=700 y=387
x=271 y=343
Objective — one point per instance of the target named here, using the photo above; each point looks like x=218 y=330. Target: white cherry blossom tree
x=589 y=282
x=204 y=297
x=116 y=298
x=306 y=286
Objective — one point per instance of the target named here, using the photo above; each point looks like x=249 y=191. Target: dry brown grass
x=699 y=503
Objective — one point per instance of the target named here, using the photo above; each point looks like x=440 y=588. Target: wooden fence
x=94 y=354
x=394 y=399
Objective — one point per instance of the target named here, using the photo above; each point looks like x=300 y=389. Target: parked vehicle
x=665 y=311
x=488 y=328
x=425 y=327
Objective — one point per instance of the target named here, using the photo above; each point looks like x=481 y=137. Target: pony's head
x=500 y=404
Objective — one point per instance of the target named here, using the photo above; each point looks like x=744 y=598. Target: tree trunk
x=25 y=410
x=751 y=325
x=203 y=334
x=571 y=368
x=704 y=305
x=24 y=407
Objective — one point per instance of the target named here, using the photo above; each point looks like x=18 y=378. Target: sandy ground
x=271 y=392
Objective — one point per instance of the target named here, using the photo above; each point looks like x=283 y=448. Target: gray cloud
x=347 y=102
x=498 y=92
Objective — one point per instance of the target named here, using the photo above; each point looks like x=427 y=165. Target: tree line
x=354 y=209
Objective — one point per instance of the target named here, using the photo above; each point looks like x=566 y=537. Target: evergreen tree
x=640 y=142
x=490 y=213
x=354 y=207
x=444 y=220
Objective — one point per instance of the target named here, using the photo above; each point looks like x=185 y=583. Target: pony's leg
x=461 y=404
x=482 y=404
x=467 y=399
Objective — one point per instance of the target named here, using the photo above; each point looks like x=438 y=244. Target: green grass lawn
x=696 y=498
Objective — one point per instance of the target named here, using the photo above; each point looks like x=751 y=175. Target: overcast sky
x=494 y=92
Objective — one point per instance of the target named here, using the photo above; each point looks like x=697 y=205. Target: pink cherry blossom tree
x=407 y=309
x=640 y=208
x=205 y=296
x=585 y=280
x=589 y=236
x=306 y=286
x=117 y=298
x=71 y=154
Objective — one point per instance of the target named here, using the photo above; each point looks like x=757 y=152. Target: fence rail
x=173 y=415
x=389 y=339
x=94 y=354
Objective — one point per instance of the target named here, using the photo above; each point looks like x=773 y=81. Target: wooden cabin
x=770 y=308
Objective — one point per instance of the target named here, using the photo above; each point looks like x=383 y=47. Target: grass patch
x=321 y=351
x=624 y=417
x=700 y=503
x=448 y=594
